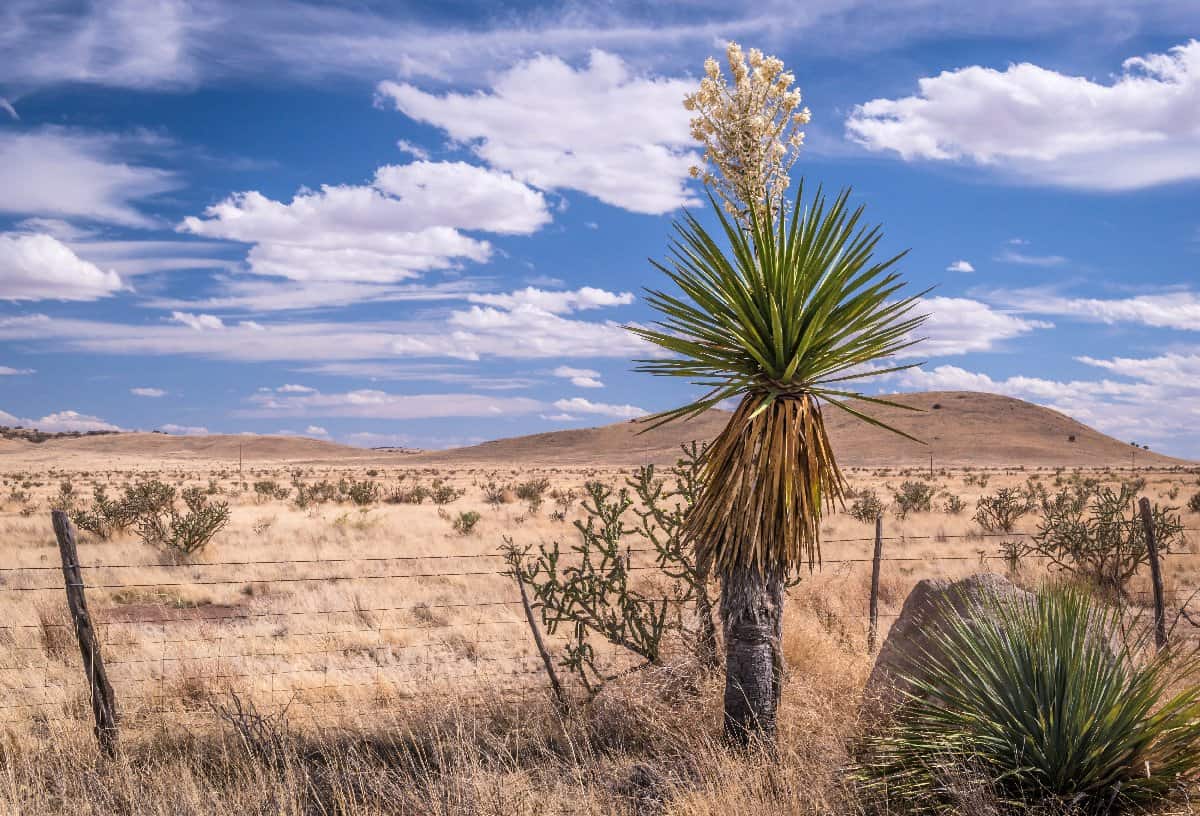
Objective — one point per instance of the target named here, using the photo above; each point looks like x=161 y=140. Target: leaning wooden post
x=873 y=631
x=104 y=707
x=1160 y=615
x=560 y=697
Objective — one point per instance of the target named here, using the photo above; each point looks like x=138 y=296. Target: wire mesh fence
x=347 y=634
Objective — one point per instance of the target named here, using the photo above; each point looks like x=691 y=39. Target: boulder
x=927 y=607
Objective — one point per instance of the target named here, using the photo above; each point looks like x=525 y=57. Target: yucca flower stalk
x=784 y=313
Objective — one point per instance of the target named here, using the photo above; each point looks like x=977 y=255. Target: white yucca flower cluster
x=750 y=129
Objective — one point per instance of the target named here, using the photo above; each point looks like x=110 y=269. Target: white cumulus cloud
x=962 y=326
x=1141 y=129
x=60 y=422
x=599 y=129
x=40 y=267
x=580 y=377
x=408 y=220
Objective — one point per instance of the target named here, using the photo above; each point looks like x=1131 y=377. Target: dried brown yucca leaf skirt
x=768 y=476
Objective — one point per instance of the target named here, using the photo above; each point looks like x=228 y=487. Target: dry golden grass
x=409 y=674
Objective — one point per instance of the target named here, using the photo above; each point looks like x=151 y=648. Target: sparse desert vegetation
x=325 y=655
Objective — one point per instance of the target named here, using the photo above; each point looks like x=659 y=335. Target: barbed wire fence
x=161 y=660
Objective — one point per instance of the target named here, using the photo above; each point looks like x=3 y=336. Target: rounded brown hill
x=132 y=449
x=960 y=428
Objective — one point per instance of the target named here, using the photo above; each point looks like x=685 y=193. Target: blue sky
x=425 y=224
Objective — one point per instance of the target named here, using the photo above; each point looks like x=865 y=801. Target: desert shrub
x=660 y=523
x=445 y=493
x=66 y=497
x=866 y=507
x=268 y=489
x=1030 y=701
x=1000 y=512
x=416 y=494
x=151 y=507
x=322 y=492
x=980 y=479
x=594 y=591
x=147 y=497
x=954 y=505
x=464 y=523
x=1096 y=534
x=533 y=492
x=496 y=494
x=104 y=516
x=564 y=500
x=912 y=497
x=1194 y=503
x=363 y=493
x=1033 y=492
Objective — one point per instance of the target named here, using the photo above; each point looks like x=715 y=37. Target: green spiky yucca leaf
x=1034 y=699
x=783 y=313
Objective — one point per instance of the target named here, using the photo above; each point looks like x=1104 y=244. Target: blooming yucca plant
x=782 y=314
x=1032 y=699
x=750 y=129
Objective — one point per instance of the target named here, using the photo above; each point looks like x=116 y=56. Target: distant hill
x=961 y=428
x=129 y=448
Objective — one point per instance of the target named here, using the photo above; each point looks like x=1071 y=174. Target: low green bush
x=912 y=497
x=1032 y=701
x=464 y=523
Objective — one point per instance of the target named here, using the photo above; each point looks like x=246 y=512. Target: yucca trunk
x=752 y=621
x=767 y=476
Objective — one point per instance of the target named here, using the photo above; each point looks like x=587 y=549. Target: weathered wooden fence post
x=104 y=707
x=1160 y=614
x=873 y=631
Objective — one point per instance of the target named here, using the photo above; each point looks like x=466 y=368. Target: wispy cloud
x=579 y=405
x=1026 y=259
x=1173 y=310
x=373 y=404
x=67 y=173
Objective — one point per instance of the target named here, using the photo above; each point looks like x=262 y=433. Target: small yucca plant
x=1033 y=699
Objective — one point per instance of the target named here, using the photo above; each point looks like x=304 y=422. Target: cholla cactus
x=750 y=130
